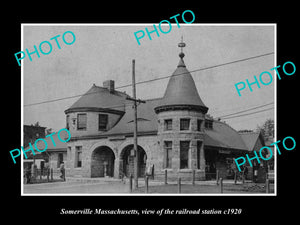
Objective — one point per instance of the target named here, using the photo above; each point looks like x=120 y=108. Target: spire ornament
x=181 y=45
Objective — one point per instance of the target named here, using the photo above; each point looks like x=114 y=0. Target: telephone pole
x=135 y=144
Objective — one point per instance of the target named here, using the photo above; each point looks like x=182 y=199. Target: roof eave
x=126 y=134
x=94 y=109
x=173 y=107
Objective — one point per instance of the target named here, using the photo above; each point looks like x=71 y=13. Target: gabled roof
x=223 y=136
x=251 y=138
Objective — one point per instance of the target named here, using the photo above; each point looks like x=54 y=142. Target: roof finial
x=181 y=45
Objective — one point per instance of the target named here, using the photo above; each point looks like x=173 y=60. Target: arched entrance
x=102 y=162
x=127 y=161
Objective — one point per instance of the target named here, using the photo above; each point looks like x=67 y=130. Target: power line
x=95 y=92
x=155 y=79
x=242 y=120
x=54 y=100
x=205 y=68
x=246 y=114
x=246 y=110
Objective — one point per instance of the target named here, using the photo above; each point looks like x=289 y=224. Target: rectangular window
x=78 y=156
x=103 y=120
x=209 y=124
x=184 y=124
x=168 y=154
x=81 y=121
x=168 y=124
x=199 y=123
x=184 y=154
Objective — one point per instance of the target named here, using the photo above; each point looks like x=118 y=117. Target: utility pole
x=135 y=144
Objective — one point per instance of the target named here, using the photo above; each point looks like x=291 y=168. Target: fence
x=43 y=175
x=219 y=185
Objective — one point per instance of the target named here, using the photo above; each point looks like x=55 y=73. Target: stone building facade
x=175 y=134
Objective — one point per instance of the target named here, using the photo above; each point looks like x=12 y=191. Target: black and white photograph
x=163 y=117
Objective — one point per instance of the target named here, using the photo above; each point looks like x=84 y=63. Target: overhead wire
x=246 y=114
x=246 y=110
x=155 y=79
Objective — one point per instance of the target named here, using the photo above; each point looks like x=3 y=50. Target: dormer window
x=81 y=121
x=103 y=121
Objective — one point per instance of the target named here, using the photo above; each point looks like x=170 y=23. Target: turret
x=181 y=117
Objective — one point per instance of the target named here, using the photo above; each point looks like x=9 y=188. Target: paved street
x=76 y=188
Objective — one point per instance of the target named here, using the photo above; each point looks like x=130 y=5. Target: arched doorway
x=127 y=161
x=102 y=162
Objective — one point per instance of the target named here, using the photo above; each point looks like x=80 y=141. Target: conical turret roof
x=181 y=90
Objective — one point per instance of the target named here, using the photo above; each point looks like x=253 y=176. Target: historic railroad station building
x=174 y=134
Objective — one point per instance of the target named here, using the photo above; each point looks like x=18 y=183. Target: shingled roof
x=223 y=136
x=147 y=119
x=98 y=98
x=251 y=138
x=181 y=90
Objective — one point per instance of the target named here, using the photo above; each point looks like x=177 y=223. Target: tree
x=267 y=128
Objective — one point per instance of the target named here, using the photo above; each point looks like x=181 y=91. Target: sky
x=105 y=51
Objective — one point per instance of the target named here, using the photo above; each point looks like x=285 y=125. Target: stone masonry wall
x=176 y=135
x=148 y=143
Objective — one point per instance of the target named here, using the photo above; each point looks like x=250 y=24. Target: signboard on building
x=224 y=151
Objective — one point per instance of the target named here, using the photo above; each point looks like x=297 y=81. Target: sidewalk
x=72 y=186
x=117 y=186
x=141 y=181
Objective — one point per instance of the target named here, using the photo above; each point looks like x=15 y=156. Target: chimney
x=110 y=85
